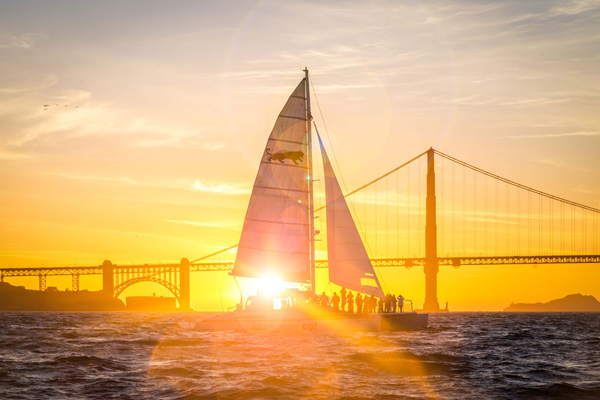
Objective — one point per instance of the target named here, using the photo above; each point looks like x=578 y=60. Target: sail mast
x=311 y=206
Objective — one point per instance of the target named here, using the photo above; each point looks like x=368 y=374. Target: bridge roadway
x=377 y=262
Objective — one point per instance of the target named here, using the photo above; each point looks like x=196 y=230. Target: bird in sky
x=46 y=105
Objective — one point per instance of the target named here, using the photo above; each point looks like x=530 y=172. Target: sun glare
x=271 y=285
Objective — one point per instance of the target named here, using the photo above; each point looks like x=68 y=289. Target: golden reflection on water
x=288 y=365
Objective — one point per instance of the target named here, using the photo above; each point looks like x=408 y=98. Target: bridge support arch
x=174 y=277
x=172 y=288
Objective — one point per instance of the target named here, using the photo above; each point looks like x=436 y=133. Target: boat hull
x=252 y=322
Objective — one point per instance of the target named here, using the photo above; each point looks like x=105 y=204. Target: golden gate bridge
x=425 y=213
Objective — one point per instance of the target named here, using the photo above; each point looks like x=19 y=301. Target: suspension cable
x=481 y=171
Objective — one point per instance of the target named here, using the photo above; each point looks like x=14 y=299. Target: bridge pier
x=75 y=282
x=42 y=278
x=108 y=282
x=431 y=267
x=184 y=285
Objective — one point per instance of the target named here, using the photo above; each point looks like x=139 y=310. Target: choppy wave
x=160 y=356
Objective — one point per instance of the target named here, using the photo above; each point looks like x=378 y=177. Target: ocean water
x=159 y=356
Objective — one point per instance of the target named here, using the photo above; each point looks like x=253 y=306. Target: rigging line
x=385 y=175
x=215 y=253
x=312 y=83
x=381 y=177
x=516 y=184
x=387 y=254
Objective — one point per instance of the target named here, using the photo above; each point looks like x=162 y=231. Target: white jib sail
x=275 y=237
x=349 y=263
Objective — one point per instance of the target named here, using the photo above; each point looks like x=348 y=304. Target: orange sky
x=169 y=107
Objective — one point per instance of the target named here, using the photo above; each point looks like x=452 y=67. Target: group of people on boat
x=365 y=305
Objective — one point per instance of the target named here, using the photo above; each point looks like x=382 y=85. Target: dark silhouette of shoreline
x=571 y=303
x=17 y=298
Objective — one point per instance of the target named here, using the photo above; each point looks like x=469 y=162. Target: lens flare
x=271 y=285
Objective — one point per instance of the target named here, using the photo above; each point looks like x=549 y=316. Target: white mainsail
x=349 y=263
x=275 y=235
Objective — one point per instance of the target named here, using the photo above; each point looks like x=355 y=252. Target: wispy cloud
x=224 y=225
x=526 y=102
x=219 y=188
x=214 y=146
x=18 y=41
x=7 y=155
x=551 y=162
x=78 y=115
x=226 y=189
x=43 y=83
x=552 y=135
x=561 y=164
x=110 y=179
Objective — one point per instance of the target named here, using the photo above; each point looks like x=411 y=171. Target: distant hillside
x=17 y=298
x=572 y=302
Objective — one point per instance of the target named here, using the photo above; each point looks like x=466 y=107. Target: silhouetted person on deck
x=401 y=303
x=324 y=300
x=380 y=306
x=393 y=302
x=372 y=305
x=335 y=300
x=344 y=299
x=359 y=304
x=350 y=301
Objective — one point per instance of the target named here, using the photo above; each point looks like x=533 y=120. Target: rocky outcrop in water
x=573 y=302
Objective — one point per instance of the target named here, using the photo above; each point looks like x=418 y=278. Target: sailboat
x=278 y=240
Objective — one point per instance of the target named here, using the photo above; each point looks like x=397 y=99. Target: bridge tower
x=108 y=282
x=184 y=285
x=431 y=268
